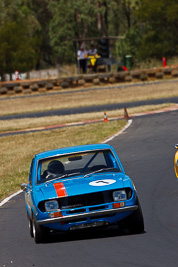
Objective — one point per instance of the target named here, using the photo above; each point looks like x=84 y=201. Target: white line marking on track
x=107 y=140
x=120 y=132
x=8 y=198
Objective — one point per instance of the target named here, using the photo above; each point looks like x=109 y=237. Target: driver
x=54 y=168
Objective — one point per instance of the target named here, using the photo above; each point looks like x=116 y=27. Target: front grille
x=76 y=211
x=86 y=200
x=92 y=199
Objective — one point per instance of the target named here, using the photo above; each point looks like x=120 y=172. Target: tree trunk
x=126 y=7
x=102 y=21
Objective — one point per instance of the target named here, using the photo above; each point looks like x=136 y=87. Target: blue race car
x=80 y=187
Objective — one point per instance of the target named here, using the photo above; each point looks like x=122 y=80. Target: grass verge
x=28 y=123
x=17 y=151
x=46 y=102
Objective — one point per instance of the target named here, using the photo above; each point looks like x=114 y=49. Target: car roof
x=73 y=149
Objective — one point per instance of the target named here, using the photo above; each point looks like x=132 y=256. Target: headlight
x=119 y=195
x=51 y=205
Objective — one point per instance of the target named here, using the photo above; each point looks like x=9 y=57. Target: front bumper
x=74 y=217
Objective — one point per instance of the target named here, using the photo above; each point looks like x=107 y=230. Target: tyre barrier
x=44 y=85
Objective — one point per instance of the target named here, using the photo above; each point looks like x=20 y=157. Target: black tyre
x=30 y=228
x=30 y=225
x=40 y=233
x=135 y=222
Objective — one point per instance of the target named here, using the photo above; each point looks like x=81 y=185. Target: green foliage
x=40 y=11
x=49 y=28
x=16 y=49
x=132 y=41
x=70 y=20
x=160 y=25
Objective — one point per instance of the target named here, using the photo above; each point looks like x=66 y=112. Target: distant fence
x=36 y=74
x=46 y=80
x=39 y=74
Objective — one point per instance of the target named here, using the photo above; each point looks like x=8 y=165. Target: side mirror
x=176 y=146
x=24 y=186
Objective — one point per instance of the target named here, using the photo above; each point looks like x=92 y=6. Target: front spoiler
x=86 y=214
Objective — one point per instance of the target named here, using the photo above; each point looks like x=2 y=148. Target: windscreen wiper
x=63 y=176
x=100 y=170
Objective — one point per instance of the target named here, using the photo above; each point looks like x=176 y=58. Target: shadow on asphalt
x=88 y=234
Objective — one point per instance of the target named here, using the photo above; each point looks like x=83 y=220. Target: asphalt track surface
x=88 y=109
x=146 y=150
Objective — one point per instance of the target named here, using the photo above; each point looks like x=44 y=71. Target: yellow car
x=176 y=161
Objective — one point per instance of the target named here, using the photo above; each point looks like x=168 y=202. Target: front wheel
x=40 y=233
x=30 y=225
x=135 y=222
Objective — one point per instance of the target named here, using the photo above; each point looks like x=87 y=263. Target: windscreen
x=76 y=164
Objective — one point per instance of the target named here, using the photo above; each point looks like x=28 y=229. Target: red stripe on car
x=60 y=189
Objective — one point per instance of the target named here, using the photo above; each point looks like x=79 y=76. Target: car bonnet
x=80 y=185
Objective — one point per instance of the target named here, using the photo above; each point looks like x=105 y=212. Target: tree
x=19 y=43
x=71 y=20
x=160 y=26
x=82 y=19
x=40 y=11
x=17 y=50
x=50 y=26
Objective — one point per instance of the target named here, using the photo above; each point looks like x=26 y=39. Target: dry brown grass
x=28 y=123
x=92 y=97
x=17 y=151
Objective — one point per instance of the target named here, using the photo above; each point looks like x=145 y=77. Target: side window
x=31 y=171
x=111 y=161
